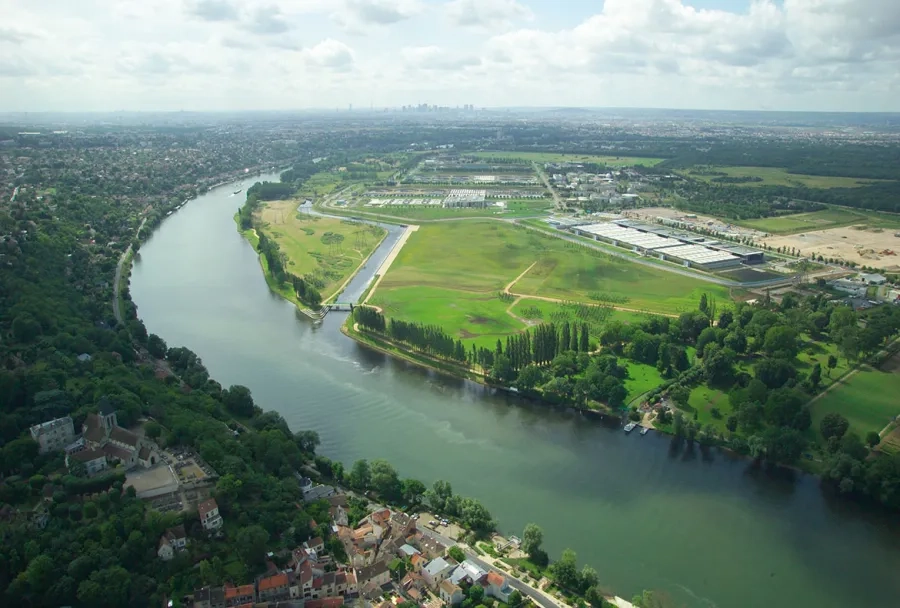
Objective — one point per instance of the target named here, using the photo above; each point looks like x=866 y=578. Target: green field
x=772 y=176
x=452 y=274
x=868 y=400
x=804 y=222
x=704 y=400
x=641 y=379
x=551 y=157
x=325 y=249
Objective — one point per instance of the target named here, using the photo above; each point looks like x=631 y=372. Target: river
x=711 y=529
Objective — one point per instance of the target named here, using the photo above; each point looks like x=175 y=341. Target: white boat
x=238 y=191
x=630 y=426
x=645 y=430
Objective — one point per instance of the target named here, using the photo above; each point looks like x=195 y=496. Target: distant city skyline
x=233 y=55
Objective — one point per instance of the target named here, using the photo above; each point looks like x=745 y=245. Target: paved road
x=117 y=310
x=540 y=598
x=546 y=180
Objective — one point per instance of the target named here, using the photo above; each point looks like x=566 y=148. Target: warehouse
x=698 y=256
x=664 y=247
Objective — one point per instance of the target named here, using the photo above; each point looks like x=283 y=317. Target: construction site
x=873 y=247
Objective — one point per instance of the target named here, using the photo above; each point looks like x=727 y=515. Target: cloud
x=486 y=13
x=15 y=36
x=267 y=20
x=213 y=10
x=15 y=67
x=437 y=59
x=353 y=14
x=330 y=54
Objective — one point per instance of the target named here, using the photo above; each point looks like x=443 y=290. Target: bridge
x=341 y=306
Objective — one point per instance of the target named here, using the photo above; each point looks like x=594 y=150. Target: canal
x=711 y=529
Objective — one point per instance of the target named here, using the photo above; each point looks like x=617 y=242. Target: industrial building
x=465 y=198
x=681 y=247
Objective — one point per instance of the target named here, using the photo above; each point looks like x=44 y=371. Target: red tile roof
x=273 y=582
x=495 y=579
x=328 y=602
x=206 y=506
x=243 y=590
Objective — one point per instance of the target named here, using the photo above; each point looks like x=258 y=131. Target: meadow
x=804 y=222
x=326 y=249
x=453 y=273
x=773 y=176
x=515 y=209
x=551 y=157
x=868 y=400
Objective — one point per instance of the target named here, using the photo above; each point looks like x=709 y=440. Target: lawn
x=587 y=275
x=476 y=318
x=773 y=176
x=641 y=378
x=704 y=400
x=868 y=400
x=515 y=209
x=327 y=250
x=803 y=222
x=551 y=157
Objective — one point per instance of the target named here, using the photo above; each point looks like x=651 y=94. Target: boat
x=238 y=191
x=645 y=430
x=630 y=426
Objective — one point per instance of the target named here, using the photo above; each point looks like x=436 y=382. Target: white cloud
x=330 y=54
x=171 y=54
x=486 y=13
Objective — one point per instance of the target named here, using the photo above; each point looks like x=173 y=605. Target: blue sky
x=293 y=54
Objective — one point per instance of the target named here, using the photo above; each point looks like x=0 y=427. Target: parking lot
x=433 y=522
x=157 y=478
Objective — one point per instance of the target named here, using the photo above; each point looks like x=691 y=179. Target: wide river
x=710 y=529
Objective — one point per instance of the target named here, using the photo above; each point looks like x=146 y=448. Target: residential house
x=872 y=279
x=407 y=550
x=430 y=547
x=53 y=435
x=315 y=544
x=468 y=572
x=274 y=588
x=498 y=587
x=418 y=562
x=209 y=597
x=331 y=602
x=235 y=596
x=339 y=515
x=209 y=515
x=172 y=541
x=437 y=570
x=402 y=525
x=450 y=593
x=94 y=461
x=377 y=573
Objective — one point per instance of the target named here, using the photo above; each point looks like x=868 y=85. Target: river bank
x=591 y=487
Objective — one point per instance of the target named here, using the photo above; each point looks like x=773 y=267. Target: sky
x=226 y=55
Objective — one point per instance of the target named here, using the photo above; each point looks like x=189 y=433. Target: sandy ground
x=145 y=480
x=390 y=259
x=649 y=214
x=864 y=247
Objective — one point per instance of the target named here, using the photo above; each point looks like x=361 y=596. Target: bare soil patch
x=879 y=248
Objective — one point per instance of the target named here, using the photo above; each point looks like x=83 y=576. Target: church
x=102 y=433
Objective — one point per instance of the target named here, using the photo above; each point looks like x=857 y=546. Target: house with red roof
x=209 y=515
x=274 y=588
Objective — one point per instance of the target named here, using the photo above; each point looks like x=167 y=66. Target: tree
x=515 y=600
x=475 y=516
x=237 y=400
x=781 y=342
x=412 y=490
x=251 y=544
x=873 y=439
x=307 y=441
x=440 y=494
x=360 y=476
x=476 y=594
x=105 y=588
x=385 y=480
x=833 y=425
x=588 y=578
x=456 y=553
x=40 y=573
x=815 y=377
x=156 y=346
x=532 y=538
x=832 y=363
x=530 y=376
x=153 y=429
x=565 y=571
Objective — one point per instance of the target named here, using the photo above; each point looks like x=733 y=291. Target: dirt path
x=518 y=278
x=561 y=301
x=382 y=270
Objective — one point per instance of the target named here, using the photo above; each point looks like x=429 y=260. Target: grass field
x=868 y=400
x=325 y=249
x=803 y=222
x=704 y=400
x=452 y=273
x=641 y=378
x=550 y=157
x=772 y=176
